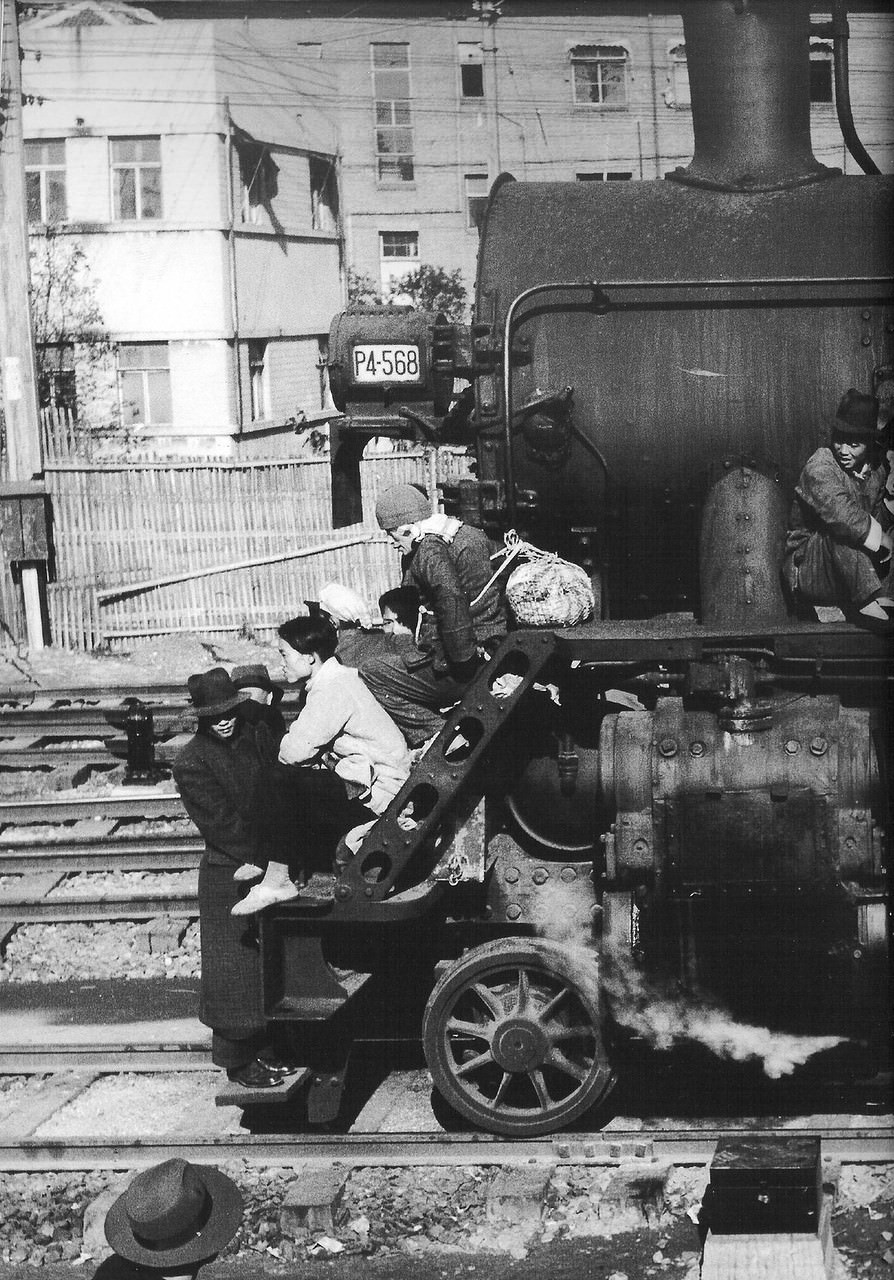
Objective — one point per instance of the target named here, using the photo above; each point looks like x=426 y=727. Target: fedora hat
x=174 y=1214
x=255 y=676
x=858 y=416
x=213 y=692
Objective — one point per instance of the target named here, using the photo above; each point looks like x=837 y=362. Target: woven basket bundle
x=549 y=592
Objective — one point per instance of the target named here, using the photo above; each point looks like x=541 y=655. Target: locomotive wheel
x=512 y=1037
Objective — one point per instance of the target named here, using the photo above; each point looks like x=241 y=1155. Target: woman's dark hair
x=403 y=603
x=310 y=635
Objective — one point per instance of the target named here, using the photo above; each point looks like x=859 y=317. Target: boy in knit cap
x=838 y=549
x=463 y=615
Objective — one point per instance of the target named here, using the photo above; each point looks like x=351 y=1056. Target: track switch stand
x=141 y=766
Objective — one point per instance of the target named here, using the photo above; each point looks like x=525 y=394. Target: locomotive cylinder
x=701 y=807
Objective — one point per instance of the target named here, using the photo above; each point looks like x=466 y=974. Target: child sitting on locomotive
x=463 y=616
x=399 y=608
x=838 y=549
x=341 y=724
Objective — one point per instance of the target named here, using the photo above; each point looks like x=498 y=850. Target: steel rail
x=133 y=802
x=103 y=1058
x=93 y=910
x=69 y=857
x=682 y=1146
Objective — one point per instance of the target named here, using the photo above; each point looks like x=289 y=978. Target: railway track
x=686 y=1145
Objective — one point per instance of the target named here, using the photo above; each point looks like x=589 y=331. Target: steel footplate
x=366 y=881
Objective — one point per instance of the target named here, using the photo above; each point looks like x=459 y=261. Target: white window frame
x=470 y=54
x=679 y=98
x=475 y=192
x=821 y=52
x=604 y=175
x=44 y=169
x=138 y=167
x=394 y=265
x=397 y=108
x=257 y=354
x=601 y=56
x=145 y=381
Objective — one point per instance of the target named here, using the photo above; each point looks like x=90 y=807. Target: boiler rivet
x=540 y=875
x=818 y=746
x=668 y=746
x=513 y=911
x=510 y=875
x=568 y=874
x=867 y=315
x=792 y=747
x=866 y=342
x=696 y=748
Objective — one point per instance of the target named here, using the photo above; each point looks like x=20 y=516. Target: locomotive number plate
x=396 y=362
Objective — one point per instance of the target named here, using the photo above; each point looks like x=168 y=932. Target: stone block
x=94 y=1236
x=516 y=1195
x=312 y=1199
x=161 y=935
x=635 y=1193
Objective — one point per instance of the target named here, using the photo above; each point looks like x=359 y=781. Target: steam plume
x=665 y=1019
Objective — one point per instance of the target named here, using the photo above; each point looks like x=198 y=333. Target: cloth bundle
x=547 y=591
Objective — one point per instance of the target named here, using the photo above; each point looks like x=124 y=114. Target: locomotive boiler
x=693 y=783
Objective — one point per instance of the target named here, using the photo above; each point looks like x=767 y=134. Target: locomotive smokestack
x=749 y=69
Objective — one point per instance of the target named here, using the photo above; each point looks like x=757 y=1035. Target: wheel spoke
x=501 y=1089
x=550 y=1007
x=480 y=1060
x=572 y=1033
x=558 y=1060
x=543 y=1095
x=523 y=992
x=479 y=1030
x=488 y=999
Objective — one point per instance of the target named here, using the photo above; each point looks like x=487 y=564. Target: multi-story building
x=183 y=220
x=193 y=145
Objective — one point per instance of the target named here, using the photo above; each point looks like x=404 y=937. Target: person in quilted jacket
x=463 y=613
x=838 y=548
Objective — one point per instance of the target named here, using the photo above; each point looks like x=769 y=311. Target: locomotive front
x=690 y=788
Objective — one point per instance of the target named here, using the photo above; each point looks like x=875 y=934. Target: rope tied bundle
x=547 y=591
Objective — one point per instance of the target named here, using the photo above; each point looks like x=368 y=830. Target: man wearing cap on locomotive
x=171 y=1219
x=222 y=774
x=838 y=549
x=463 y=615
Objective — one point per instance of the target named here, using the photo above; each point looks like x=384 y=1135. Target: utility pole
x=488 y=12
x=22 y=498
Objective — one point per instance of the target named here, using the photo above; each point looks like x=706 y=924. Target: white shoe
x=354 y=838
x=248 y=871
x=261 y=896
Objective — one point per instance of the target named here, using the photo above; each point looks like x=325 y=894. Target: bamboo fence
x=213 y=546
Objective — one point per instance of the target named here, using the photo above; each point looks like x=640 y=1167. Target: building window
x=821 y=77
x=471 y=70
x=599 y=75
x=144 y=383
x=56 y=378
x=476 y=188
x=394 y=121
x=258 y=380
x=677 y=93
x=323 y=193
x=399 y=255
x=136 y=178
x=258 y=175
x=45 y=180
x=605 y=175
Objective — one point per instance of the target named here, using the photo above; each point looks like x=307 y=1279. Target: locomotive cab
x=681 y=803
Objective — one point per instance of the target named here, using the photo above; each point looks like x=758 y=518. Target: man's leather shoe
x=277 y=1065
x=255 y=1075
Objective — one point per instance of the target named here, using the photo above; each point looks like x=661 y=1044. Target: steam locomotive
x=692 y=783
